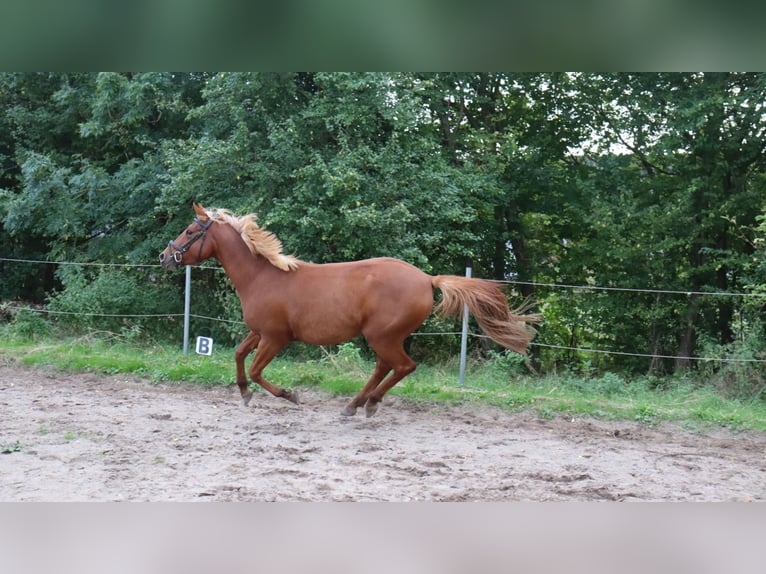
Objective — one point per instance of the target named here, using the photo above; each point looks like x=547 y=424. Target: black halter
x=178 y=254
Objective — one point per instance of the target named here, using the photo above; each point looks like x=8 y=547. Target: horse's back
x=379 y=269
x=361 y=296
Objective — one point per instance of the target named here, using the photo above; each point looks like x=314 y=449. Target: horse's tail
x=487 y=303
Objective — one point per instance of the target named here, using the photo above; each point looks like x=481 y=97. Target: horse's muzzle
x=169 y=260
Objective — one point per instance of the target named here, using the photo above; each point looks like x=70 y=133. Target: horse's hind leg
x=244 y=349
x=402 y=365
x=381 y=370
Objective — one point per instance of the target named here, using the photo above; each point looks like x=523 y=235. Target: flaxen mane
x=258 y=240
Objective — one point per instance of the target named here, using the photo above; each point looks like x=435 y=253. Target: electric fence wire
x=581 y=288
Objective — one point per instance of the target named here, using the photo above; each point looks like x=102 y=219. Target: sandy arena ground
x=87 y=437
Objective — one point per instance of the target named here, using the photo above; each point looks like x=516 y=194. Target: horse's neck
x=240 y=265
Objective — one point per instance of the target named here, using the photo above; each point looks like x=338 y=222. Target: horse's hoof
x=349 y=411
x=371 y=408
x=246 y=398
x=292 y=396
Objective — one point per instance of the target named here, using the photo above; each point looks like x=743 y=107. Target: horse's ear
x=200 y=211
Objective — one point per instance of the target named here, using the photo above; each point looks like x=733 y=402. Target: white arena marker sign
x=204 y=346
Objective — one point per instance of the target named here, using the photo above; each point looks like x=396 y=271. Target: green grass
x=342 y=373
x=154 y=363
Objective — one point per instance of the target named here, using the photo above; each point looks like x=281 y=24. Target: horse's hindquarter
x=332 y=303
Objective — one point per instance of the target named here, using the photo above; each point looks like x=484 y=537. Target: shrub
x=114 y=299
x=508 y=362
x=26 y=324
x=737 y=374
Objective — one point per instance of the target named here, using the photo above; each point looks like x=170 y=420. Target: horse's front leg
x=267 y=350
x=244 y=349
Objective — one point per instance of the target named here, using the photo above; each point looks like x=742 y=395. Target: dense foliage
x=641 y=181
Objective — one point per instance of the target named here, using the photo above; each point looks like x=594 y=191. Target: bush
x=116 y=300
x=348 y=358
x=609 y=385
x=737 y=374
x=26 y=324
x=508 y=362
x=434 y=348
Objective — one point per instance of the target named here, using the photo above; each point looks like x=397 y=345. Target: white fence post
x=464 y=337
x=187 y=306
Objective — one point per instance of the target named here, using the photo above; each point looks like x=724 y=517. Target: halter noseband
x=178 y=254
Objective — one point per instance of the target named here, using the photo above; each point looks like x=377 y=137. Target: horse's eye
x=189 y=232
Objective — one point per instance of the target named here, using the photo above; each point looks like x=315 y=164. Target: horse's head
x=180 y=252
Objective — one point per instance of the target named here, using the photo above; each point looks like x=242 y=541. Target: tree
x=615 y=180
x=676 y=214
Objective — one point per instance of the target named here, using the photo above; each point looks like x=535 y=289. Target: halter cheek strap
x=178 y=254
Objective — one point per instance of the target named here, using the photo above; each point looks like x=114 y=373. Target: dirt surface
x=79 y=437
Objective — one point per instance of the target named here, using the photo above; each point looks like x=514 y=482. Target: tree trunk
x=725 y=309
x=655 y=367
x=500 y=252
x=688 y=338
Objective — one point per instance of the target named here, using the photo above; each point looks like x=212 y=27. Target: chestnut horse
x=284 y=299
